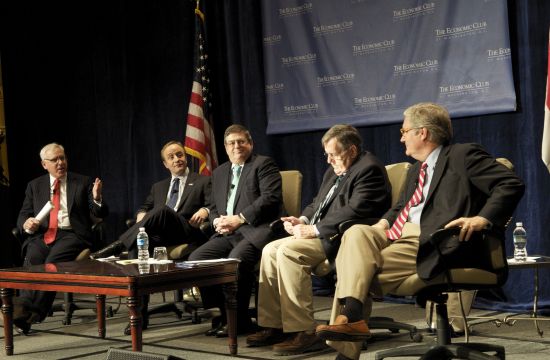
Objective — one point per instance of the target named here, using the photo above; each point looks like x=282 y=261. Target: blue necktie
x=233 y=188
x=174 y=194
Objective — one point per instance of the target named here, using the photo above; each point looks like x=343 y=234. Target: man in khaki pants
x=449 y=185
x=355 y=186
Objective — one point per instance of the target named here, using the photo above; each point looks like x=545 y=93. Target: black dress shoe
x=144 y=326
x=114 y=248
x=214 y=331
x=241 y=330
x=23 y=323
x=22 y=326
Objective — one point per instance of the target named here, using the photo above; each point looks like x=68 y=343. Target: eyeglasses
x=239 y=142
x=336 y=157
x=61 y=158
x=403 y=131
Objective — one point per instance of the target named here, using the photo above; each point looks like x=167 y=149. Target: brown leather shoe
x=266 y=336
x=300 y=343
x=342 y=330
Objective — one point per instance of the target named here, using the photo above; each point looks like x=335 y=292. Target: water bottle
x=520 y=241
x=142 y=245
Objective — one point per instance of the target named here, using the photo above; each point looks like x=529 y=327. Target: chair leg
x=68 y=302
x=444 y=349
x=464 y=351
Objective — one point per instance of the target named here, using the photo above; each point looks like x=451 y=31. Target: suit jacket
x=80 y=205
x=259 y=197
x=466 y=182
x=196 y=194
x=363 y=192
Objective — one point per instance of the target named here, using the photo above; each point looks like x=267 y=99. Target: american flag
x=546 y=132
x=199 y=134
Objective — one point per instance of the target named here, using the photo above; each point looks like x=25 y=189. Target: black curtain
x=110 y=80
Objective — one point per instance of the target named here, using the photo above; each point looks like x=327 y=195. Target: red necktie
x=395 y=232
x=49 y=236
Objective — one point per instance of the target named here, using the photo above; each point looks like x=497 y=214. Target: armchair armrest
x=484 y=250
x=277 y=227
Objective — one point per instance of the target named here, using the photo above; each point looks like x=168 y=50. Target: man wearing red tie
x=63 y=234
x=449 y=185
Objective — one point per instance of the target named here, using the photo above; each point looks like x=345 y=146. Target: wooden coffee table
x=109 y=278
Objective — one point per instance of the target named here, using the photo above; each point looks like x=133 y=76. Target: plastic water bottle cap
x=143 y=229
x=519 y=224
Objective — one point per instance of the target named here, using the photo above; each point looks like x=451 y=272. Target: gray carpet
x=170 y=336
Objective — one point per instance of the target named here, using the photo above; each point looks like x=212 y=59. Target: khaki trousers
x=285 y=292
x=367 y=263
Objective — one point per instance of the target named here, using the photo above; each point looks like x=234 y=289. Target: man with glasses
x=246 y=198
x=449 y=185
x=354 y=186
x=63 y=234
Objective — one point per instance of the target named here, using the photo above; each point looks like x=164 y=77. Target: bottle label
x=140 y=242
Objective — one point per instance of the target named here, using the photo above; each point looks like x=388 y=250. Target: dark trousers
x=231 y=246
x=66 y=247
x=165 y=227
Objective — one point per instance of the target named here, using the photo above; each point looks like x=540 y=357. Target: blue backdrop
x=364 y=62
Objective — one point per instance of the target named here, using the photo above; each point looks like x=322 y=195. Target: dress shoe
x=114 y=248
x=23 y=323
x=144 y=326
x=342 y=330
x=214 y=330
x=300 y=343
x=266 y=336
x=223 y=330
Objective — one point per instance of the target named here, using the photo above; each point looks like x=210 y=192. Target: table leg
x=7 y=312
x=536 y=301
x=230 y=293
x=133 y=303
x=100 y=309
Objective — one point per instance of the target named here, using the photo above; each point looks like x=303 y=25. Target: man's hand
x=304 y=231
x=227 y=224
x=31 y=225
x=289 y=222
x=96 y=190
x=140 y=215
x=382 y=224
x=468 y=225
x=198 y=218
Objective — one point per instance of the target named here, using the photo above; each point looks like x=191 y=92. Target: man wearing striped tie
x=354 y=186
x=449 y=185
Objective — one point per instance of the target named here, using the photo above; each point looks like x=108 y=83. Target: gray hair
x=346 y=135
x=435 y=118
x=48 y=148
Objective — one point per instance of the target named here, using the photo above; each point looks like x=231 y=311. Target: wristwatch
x=242 y=219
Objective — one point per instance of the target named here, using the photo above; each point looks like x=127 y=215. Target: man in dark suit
x=246 y=198
x=355 y=186
x=58 y=237
x=450 y=185
x=173 y=210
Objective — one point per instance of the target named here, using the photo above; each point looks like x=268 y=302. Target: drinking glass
x=159 y=253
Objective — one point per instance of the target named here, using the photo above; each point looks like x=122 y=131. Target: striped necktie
x=317 y=216
x=395 y=232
